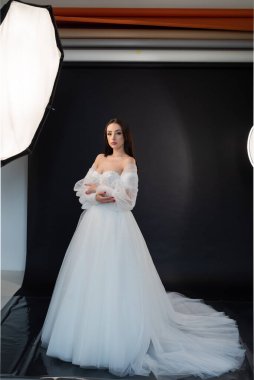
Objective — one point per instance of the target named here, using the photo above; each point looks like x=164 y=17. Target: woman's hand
x=91 y=188
x=100 y=197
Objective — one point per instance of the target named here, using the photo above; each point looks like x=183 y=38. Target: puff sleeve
x=126 y=188
x=87 y=200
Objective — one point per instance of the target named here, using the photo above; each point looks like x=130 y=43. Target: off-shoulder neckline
x=113 y=171
x=108 y=171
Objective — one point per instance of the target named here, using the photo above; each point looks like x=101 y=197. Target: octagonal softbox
x=30 y=59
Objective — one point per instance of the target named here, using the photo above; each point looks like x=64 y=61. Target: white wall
x=14 y=214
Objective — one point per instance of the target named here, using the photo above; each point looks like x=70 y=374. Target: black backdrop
x=190 y=124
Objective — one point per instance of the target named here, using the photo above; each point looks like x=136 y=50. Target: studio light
x=30 y=61
x=250 y=146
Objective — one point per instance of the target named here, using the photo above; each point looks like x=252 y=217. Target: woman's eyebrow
x=117 y=130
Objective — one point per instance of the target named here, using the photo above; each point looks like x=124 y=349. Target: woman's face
x=115 y=135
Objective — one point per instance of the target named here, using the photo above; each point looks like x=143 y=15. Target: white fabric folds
x=123 y=187
x=109 y=308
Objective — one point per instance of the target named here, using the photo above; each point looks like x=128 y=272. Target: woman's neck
x=118 y=153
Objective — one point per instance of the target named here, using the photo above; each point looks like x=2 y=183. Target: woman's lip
x=113 y=143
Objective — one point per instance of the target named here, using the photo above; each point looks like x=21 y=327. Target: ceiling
x=144 y=3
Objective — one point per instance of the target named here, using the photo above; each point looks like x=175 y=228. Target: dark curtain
x=190 y=124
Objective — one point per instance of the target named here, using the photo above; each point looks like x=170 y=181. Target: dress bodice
x=123 y=187
x=106 y=178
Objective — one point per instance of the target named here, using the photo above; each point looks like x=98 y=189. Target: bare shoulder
x=130 y=160
x=98 y=158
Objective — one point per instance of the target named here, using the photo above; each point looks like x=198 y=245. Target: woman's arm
x=126 y=188
x=90 y=182
x=91 y=187
x=87 y=200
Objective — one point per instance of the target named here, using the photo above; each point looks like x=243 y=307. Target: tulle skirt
x=109 y=309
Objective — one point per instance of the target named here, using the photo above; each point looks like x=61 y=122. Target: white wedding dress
x=109 y=308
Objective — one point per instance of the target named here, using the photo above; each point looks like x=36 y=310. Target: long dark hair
x=128 y=142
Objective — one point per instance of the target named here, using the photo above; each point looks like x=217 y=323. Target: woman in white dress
x=109 y=308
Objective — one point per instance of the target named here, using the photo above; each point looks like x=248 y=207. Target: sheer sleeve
x=126 y=188
x=87 y=200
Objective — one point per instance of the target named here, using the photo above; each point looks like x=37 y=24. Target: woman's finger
x=100 y=198
x=107 y=199
x=110 y=199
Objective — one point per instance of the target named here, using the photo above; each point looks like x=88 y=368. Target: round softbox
x=30 y=60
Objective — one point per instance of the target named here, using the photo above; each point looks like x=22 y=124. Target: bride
x=109 y=308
